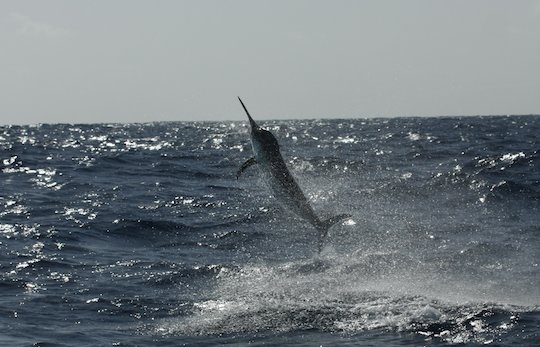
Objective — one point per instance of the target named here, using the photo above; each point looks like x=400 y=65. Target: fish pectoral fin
x=244 y=166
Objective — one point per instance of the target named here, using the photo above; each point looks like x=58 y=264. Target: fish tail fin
x=326 y=224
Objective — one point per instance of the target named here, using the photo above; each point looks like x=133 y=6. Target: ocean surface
x=140 y=235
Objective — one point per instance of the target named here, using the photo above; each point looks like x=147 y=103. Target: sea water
x=140 y=234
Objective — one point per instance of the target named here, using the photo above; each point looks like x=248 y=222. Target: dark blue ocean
x=140 y=235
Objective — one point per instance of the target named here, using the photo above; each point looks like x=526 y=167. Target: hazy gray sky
x=133 y=61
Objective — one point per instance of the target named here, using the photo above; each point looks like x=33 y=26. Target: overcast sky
x=139 y=61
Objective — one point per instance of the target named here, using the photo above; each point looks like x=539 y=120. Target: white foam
x=334 y=294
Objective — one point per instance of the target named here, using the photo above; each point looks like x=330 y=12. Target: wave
x=330 y=296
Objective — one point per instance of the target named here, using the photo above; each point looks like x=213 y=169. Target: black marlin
x=279 y=179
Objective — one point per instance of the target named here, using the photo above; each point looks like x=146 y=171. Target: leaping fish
x=281 y=182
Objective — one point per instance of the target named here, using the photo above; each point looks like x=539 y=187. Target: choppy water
x=140 y=235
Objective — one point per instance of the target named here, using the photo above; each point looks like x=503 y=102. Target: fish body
x=267 y=156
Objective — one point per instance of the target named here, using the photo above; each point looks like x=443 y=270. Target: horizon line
x=273 y=119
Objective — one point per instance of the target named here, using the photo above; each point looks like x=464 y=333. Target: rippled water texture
x=140 y=234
